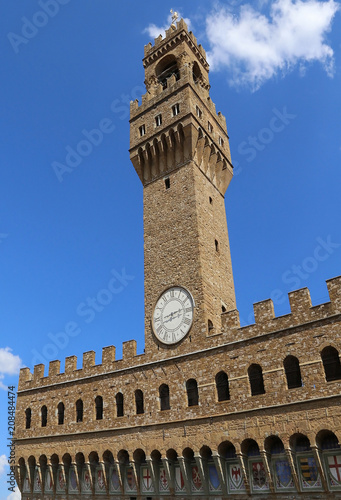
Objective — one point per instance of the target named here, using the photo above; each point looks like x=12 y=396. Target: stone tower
x=180 y=149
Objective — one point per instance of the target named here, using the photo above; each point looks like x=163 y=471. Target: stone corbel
x=119 y=469
x=317 y=456
x=154 y=473
x=41 y=479
x=132 y=464
x=29 y=476
x=290 y=458
x=87 y=467
x=19 y=477
x=185 y=466
x=265 y=458
x=74 y=466
x=106 y=482
x=220 y=466
x=170 y=475
x=203 y=475
x=242 y=459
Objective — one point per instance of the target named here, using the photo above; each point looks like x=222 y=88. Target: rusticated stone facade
x=229 y=411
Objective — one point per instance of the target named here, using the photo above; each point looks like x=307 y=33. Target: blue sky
x=73 y=66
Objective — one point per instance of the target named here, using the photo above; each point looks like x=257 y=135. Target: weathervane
x=175 y=17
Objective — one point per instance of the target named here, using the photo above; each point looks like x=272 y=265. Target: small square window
x=158 y=120
x=142 y=130
x=176 y=109
x=198 y=112
x=210 y=127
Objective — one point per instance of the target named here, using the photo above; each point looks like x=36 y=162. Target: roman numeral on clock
x=187 y=321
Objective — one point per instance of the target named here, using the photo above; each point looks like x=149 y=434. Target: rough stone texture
x=181 y=224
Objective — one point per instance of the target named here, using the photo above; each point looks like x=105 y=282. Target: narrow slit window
x=216 y=243
x=142 y=130
x=221 y=141
x=99 y=407
x=139 y=402
x=119 y=405
x=167 y=183
x=28 y=413
x=198 y=112
x=61 y=410
x=158 y=120
x=210 y=127
x=176 y=109
x=44 y=416
x=79 y=410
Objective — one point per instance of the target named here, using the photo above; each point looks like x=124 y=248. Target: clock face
x=173 y=315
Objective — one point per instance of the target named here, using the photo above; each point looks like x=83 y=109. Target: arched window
x=166 y=68
x=61 y=409
x=210 y=326
x=256 y=380
x=43 y=416
x=164 y=397
x=119 y=404
x=292 y=372
x=99 y=407
x=192 y=392
x=222 y=384
x=327 y=440
x=79 y=411
x=28 y=414
x=196 y=72
x=139 y=402
x=331 y=363
x=301 y=443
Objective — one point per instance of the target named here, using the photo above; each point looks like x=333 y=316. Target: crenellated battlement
x=302 y=313
x=174 y=35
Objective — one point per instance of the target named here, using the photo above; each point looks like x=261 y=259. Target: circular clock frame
x=173 y=315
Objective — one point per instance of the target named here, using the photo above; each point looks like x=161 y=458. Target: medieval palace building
x=211 y=410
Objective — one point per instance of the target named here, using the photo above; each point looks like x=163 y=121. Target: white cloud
x=255 y=47
x=9 y=363
x=14 y=496
x=2 y=385
x=3 y=464
x=154 y=31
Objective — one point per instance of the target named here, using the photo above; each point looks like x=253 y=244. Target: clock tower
x=180 y=149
